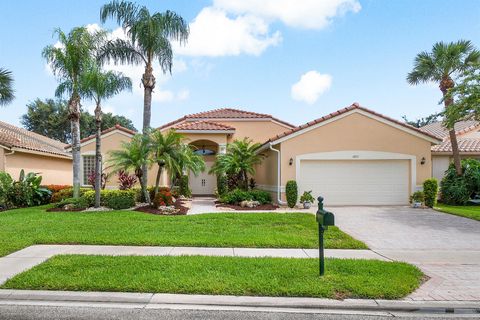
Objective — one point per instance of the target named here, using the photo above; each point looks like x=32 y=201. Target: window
x=204 y=152
x=88 y=168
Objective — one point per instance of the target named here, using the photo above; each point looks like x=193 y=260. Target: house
x=468 y=138
x=112 y=139
x=210 y=132
x=23 y=149
x=353 y=156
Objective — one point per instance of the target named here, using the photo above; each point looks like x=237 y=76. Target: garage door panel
x=361 y=182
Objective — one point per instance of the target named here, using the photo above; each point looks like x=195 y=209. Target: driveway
x=445 y=247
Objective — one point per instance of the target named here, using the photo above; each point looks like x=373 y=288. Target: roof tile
x=15 y=137
x=203 y=125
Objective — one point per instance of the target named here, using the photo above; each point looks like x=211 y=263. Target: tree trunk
x=245 y=178
x=445 y=85
x=74 y=116
x=148 y=81
x=139 y=174
x=157 y=180
x=98 y=154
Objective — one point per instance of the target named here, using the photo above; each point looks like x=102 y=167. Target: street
x=13 y=312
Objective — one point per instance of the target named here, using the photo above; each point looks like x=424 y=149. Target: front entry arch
x=204 y=183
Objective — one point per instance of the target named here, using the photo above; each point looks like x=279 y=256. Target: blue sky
x=295 y=59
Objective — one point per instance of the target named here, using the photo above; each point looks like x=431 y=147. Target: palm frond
x=6 y=87
x=124 y=12
x=120 y=51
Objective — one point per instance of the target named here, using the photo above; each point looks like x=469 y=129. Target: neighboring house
x=468 y=137
x=23 y=149
x=210 y=132
x=354 y=156
x=112 y=139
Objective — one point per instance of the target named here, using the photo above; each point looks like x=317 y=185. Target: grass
x=471 y=212
x=344 y=278
x=24 y=227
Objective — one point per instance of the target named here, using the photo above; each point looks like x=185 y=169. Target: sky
x=295 y=59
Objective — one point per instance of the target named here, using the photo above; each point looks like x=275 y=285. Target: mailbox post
x=324 y=219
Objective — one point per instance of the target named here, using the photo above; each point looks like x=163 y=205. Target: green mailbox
x=324 y=219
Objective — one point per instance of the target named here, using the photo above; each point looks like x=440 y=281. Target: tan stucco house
x=354 y=156
x=468 y=138
x=23 y=149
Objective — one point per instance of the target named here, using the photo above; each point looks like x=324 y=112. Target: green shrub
x=163 y=198
x=456 y=189
x=65 y=194
x=6 y=185
x=236 y=196
x=430 y=190
x=222 y=184
x=261 y=196
x=184 y=187
x=27 y=191
x=114 y=199
x=417 y=196
x=291 y=191
x=77 y=203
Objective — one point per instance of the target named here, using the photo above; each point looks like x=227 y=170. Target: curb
x=150 y=300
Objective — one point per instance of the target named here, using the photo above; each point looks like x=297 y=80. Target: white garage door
x=361 y=182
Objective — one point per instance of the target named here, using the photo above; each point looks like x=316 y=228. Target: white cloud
x=308 y=14
x=311 y=86
x=183 y=94
x=214 y=34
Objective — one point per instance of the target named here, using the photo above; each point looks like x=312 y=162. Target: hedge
x=430 y=190
x=114 y=199
x=291 y=191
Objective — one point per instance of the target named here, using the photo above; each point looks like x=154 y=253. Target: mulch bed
x=239 y=208
x=178 y=205
x=63 y=210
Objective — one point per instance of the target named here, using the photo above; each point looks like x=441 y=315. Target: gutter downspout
x=279 y=198
x=4 y=160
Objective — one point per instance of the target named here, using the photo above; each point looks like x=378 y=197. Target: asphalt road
x=9 y=312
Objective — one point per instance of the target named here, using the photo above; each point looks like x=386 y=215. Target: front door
x=203 y=183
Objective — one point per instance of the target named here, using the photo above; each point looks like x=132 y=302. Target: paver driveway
x=445 y=247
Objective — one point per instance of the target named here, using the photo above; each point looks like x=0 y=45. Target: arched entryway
x=204 y=183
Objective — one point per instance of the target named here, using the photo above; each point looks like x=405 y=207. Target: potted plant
x=417 y=199
x=307 y=199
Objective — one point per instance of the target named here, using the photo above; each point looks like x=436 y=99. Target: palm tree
x=166 y=147
x=443 y=65
x=69 y=61
x=99 y=85
x=134 y=155
x=6 y=90
x=240 y=159
x=149 y=37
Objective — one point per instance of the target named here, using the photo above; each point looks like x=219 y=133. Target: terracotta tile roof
x=116 y=127
x=464 y=145
x=225 y=113
x=15 y=137
x=439 y=130
x=342 y=111
x=203 y=125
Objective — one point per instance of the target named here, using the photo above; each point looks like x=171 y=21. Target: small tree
x=241 y=158
x=133 y=156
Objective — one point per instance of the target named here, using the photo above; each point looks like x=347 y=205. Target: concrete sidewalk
x=29 y=257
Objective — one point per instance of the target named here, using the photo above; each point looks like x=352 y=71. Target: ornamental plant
x=291 y=191
x=430 y=190
x=163 y=198
x=307 y=197
x=126 y=181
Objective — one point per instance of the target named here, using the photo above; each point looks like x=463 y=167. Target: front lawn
x=24 y=227
x=471 y=212
x=344 y=278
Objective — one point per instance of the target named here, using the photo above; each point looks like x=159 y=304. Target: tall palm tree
x=6 y=89
x=240 y=159
x=442 y=65
x=69 y=60
x=99 y=85
x=166 y=147
x=149 y=36
x=134 y=155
